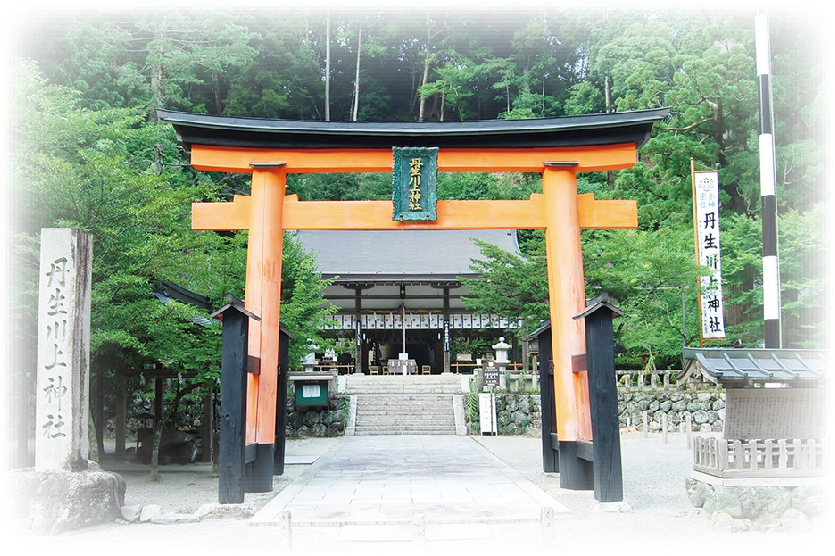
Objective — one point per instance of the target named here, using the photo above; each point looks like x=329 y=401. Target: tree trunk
x=355 y=110
x=422 y=109
x=93 y=449
x=218 y=96
x=426 y=63
x=328 y=66
x=155 y=476
x=158 y=91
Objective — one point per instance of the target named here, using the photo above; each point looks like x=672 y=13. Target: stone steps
x=412 y=384
x=399 y=431
x=404 y=405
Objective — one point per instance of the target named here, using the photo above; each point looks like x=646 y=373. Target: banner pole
x=696 y=243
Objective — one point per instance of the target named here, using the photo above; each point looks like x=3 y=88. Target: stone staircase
x=405 y=405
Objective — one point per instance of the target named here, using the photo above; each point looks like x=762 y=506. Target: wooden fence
x=758 y=458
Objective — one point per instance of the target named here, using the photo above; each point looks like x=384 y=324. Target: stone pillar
x=61 y=438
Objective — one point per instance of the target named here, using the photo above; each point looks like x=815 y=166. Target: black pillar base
x=278 y=457
x=576 y=473
x=550 y=453
x=550 y=460
x=259 y=472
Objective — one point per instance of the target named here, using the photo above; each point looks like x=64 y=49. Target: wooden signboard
x=491 y=372
x=761 y=413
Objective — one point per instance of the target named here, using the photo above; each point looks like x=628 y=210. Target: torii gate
x=558 y=148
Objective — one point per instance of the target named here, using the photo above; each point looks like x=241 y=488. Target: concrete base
x=51 y=502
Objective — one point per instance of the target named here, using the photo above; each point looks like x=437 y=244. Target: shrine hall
x=401 y=292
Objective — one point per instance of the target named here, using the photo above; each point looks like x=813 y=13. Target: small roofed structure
x=751 y=368
x=775 y=414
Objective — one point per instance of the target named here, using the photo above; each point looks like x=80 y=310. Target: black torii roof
x=590 y=129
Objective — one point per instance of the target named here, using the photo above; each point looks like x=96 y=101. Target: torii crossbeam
x=557 y=148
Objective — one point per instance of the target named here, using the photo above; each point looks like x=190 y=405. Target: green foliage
x=85 y=152
x=648 y=273
x=303 y=311
x=92 y=170
x=804 y=279
x=509 y=285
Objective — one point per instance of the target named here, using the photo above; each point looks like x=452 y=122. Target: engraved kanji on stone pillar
x=63 y=349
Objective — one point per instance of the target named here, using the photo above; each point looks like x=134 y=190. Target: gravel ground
x=183 y=491
x=661 y=519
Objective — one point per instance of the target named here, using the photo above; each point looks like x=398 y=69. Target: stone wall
x=706 y=409
x=743 y=508
x=317 y=421
x=522 y=414
x=516 y=414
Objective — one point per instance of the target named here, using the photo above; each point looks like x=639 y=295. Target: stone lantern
x=501 y=360
x=501 y=350
x=309 y=361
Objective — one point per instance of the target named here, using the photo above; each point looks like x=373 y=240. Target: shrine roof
x=412 y=256
x=739 y=367
x=584 y=130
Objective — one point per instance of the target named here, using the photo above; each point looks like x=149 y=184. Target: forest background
x=86 y=151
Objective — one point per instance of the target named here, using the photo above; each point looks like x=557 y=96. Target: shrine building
x=401 y=292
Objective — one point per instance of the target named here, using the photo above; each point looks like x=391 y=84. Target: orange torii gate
x=557 y=148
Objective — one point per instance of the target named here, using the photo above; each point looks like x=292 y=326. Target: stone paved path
x=388 y=480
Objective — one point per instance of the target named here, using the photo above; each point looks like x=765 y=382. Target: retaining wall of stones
x=522 y=414
x=706 y=409
x=318 y=421
x=518 y=414
x=743 y=508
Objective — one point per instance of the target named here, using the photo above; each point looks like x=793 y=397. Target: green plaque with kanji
x=415 y=183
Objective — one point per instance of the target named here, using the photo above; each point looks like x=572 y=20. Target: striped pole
x=768 y=173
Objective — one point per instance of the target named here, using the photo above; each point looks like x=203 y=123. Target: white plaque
x=487 y=413
x=311 y=391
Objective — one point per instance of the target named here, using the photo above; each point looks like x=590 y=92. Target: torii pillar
x=263 y=297
x=566 y=279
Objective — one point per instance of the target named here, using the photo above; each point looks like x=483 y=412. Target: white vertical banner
x=706 y=200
